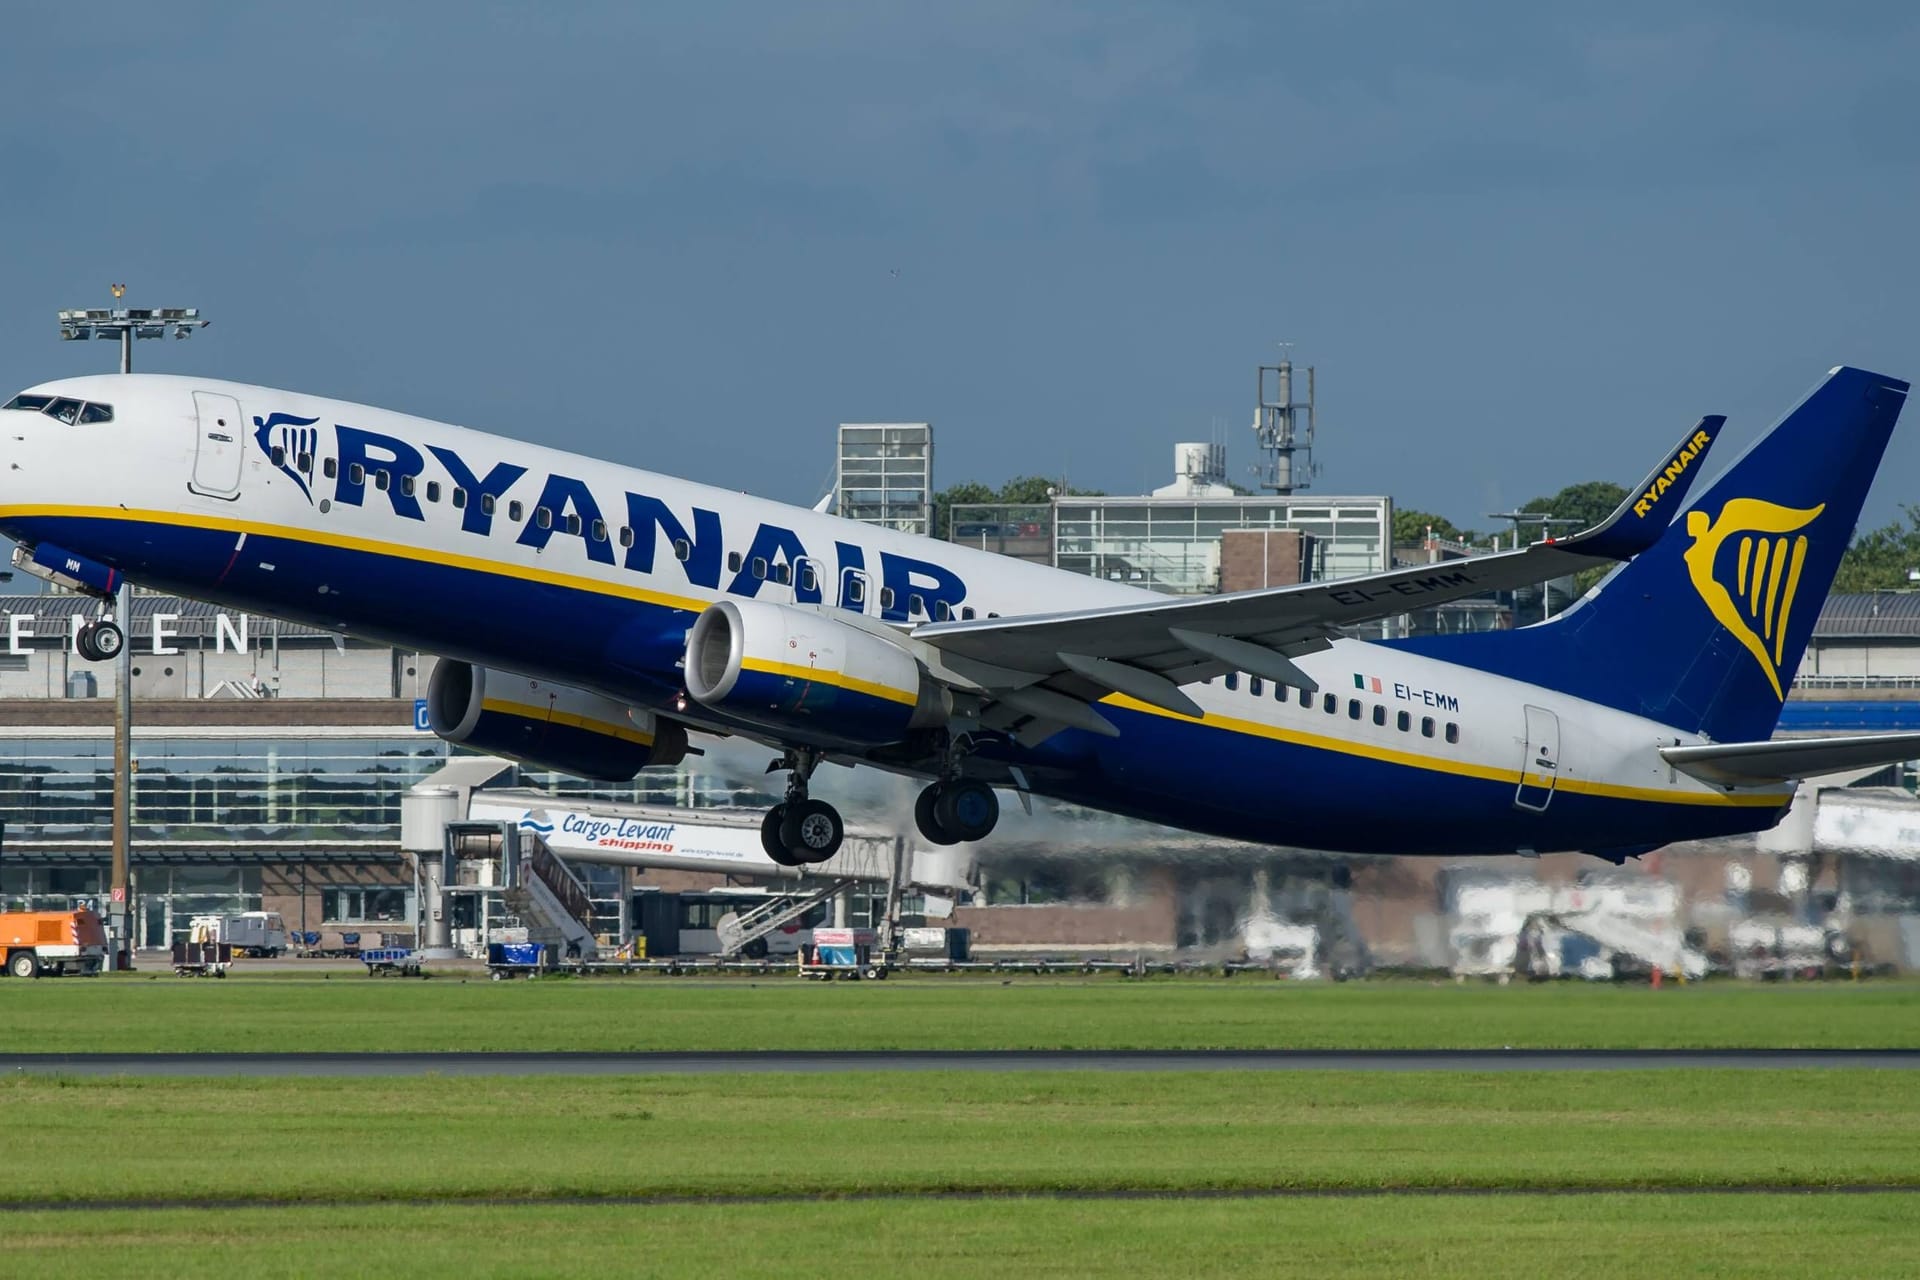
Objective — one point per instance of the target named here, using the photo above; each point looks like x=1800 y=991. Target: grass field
x=1522 y=1238
x=837 y=1134
x=363 y=1177
x=141 y=1012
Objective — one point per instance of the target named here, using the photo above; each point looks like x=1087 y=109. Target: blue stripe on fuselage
x=1160 y=769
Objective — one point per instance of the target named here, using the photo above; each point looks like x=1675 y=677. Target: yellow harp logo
x=1766 y=565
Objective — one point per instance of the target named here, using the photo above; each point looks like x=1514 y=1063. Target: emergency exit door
x=1540 y=766
x=222 y=445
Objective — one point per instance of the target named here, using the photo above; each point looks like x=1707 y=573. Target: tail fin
x=1704 y=630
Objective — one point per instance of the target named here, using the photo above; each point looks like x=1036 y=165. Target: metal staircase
x=550 y=900
x=739 y=928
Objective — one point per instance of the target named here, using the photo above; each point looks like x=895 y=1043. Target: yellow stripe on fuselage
x=370 y=546
x=1441 y=764
x=692 y=604
x=813 y=675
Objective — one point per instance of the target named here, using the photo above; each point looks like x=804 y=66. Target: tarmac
x=763 y=1061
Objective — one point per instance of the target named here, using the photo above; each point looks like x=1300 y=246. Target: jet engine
x=809 y=674
x=548 y=726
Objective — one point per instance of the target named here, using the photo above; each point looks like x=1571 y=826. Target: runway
x=775 y=1060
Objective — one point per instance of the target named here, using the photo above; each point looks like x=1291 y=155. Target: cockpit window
x=67 y=411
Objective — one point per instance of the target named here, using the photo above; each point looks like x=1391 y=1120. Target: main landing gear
x=957 y=811
x=100 y=640
x=801 y=830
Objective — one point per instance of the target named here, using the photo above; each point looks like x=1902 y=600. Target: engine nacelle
x=809 y=673
x=548 y=726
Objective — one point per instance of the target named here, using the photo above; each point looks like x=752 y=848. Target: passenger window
x=458 y=498
x=304 y=464
x=682 y=549
x=1379 y=714
x=330 y=468
x=1255 y=686
x=1453 y=732
x=966 y=613
x=96 y=413
x=1353 y=708
x=279 y=456
x=915 y=604
x=733 y=562
x=942 y=611
x=1279 y=693
x=599 y=530
x=886 y=597
x=1426 y=726
x=993 y=615
x=1330 y=704
x=1233 y=681
x=856 y=591
x=356 y=474
x=543 y=517
x=514 y=510
x=626 y=539
x=809 y=580
x=381 y=479
x=487 y=503
x=783 y=574
x=406 y=485
x=433 y=491
x=1403 y=722
x=573 y=525
x=760 y=568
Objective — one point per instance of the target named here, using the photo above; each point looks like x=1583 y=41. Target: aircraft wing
x=1748 y=764
x=1039 y=664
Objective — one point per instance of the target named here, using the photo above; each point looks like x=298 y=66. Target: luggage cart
x=401 y=962
x=518 y=959
x=202 y=959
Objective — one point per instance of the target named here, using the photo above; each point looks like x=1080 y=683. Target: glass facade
x=885 y=475
x=1173 y=544
x=220 y=791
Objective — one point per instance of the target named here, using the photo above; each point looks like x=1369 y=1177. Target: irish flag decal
x=1369 y=684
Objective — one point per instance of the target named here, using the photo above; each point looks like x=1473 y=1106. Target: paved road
x=601 y=1064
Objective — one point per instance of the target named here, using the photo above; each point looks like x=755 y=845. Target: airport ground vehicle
x=52 y=943
x=249 y=933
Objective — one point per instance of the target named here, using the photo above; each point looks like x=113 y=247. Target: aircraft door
x=221 y=446
x=1540 y=766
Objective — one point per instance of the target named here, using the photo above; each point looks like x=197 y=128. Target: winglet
x=1639 y=521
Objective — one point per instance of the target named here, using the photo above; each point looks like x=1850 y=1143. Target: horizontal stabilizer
x=1747 y=764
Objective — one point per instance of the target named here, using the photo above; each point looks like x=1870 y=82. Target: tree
x=1410 y=527
x=1879 y=559
x=1588 y=503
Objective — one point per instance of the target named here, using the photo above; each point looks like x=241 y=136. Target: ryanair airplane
x=590 y=616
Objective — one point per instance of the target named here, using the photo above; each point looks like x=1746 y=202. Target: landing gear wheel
x=812 y=830
x=100 y=641
x=23 y=964
x=966 y=811
x=770 y=837
x=924 y=818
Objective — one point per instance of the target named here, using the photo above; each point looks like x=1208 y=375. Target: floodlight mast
x=125 y=324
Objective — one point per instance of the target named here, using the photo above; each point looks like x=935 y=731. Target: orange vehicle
x=53 y=942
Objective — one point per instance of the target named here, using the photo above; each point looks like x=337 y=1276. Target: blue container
x=515 y=953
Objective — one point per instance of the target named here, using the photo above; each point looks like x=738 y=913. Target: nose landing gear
x=100 y=640
x=801 y=830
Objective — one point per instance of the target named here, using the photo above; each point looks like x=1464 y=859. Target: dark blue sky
x=1524 y=245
